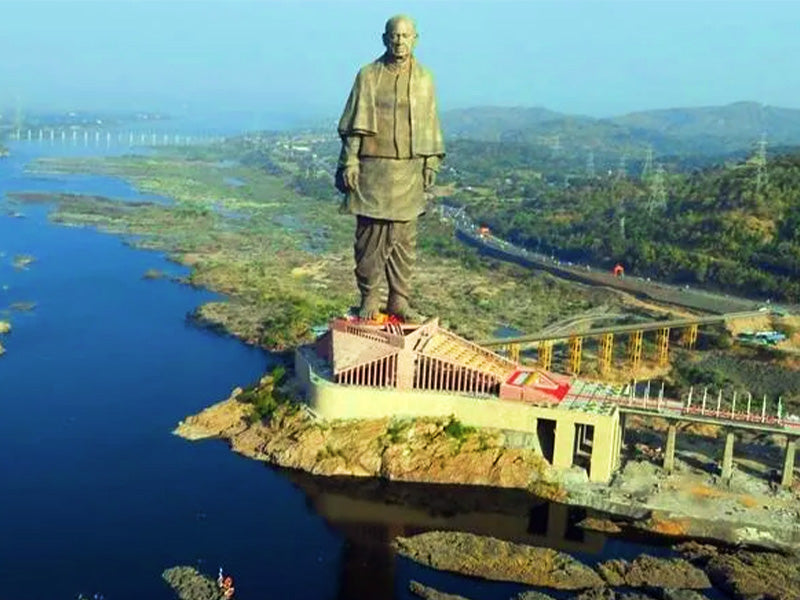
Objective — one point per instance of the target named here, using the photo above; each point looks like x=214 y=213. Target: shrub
x=457 y=430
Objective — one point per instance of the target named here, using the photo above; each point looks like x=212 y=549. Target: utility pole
x=658 y=190
x=590 y=165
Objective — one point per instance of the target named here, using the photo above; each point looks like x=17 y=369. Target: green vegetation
x=708 y=130
x=266 y=395
x=746 y=370
x=397 y=430
x=718 y=227
x=283 y=258
x=21 y=261
x=153 y=274
x=457 y=430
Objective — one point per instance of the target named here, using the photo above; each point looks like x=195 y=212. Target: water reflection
x=371 y=513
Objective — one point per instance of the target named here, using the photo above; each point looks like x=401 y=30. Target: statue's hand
x=429 y=178
x=350 y=177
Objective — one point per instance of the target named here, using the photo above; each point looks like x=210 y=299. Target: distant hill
x=710 y=130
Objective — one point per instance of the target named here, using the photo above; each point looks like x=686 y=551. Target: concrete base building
x=367 y=371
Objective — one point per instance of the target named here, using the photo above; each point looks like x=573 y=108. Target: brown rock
x=696 y=552
x=654 y=572
x=532 y=596
x=429 y=593
x=224 y=419
x=672 y=594
x=490 y=558
x=756 y=575
x=604 y=525
x=189 y=584
x=602 y=593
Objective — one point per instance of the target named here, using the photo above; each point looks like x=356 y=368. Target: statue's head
x=400 y=36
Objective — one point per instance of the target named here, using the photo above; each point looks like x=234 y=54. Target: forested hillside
x=718 y=227
x=708 y=130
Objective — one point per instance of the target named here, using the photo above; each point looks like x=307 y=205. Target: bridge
x=728 y=411
x=635 y=332
x=107 y=138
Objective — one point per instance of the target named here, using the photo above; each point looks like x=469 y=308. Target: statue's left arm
x=426 y=127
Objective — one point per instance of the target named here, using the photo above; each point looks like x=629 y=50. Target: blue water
x=96 y=496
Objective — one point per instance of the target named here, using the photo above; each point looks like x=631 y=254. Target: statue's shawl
x=359 y=116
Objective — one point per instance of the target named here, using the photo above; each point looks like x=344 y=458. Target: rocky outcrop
x=189 y=584
x=602 y=525
x=755 y=575
x=532 y=596
x=494 y=559
x=429 y=593
x=671 y=594
x=648 y=571
x=422 y=450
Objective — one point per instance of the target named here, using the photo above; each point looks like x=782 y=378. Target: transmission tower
x=658 y=190
x=647 y=168
x=760 y=162
x=555 y=144
x=590 y=165
x=622 y=169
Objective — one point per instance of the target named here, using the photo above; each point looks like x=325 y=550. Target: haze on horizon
x=598 y=58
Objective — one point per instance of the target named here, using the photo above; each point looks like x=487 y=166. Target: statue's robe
x=390 y=129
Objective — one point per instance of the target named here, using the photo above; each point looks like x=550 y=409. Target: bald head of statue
x=400 y=37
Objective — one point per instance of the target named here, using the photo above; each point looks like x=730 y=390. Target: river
x=96 y=495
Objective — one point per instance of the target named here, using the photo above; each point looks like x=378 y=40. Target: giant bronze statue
x=391 y=150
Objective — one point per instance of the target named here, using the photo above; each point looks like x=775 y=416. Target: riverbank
x=691 y=502
x=284 y=260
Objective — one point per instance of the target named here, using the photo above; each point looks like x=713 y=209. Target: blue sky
x=592 y=57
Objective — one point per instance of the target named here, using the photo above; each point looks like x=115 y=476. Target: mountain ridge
x=713 y=129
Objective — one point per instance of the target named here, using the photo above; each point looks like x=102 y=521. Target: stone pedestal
x=727 y=457
x=669 y=453
x=788 y=463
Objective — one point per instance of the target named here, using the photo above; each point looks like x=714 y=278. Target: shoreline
x=487 y=449
x=421 y=451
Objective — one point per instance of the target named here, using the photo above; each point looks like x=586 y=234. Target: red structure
x=428 y=357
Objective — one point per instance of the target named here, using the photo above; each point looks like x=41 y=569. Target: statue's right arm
x=348 y=160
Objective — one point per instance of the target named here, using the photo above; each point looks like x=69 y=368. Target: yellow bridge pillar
x=635 y=349
x=575 y=352
x=690 y=336
x=662 y=346
x=513 y=352
x=545 y=354
x=606 y=352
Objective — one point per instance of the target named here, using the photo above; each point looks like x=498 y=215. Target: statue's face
x=400 y=38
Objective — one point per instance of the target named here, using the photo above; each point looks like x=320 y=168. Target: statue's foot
x=399 y=307
x=370 y=308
